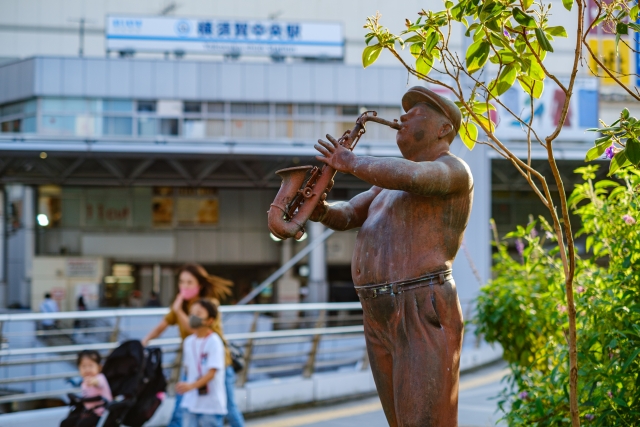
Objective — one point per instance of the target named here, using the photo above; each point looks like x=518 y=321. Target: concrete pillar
x=472 y=266
x=20 y=244
x=287 y=287
x=3 y=252
x=318 y=285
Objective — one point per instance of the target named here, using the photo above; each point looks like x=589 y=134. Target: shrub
x=522 y=309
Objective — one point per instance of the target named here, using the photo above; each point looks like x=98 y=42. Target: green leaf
x=490 y=10
x=431 y=42
x=527 y=4
x=556 y=31
x=633 y=151
x=636 y=27
x=567 y=4
x=477 y=55
x=543 y=40
x=369 y=38
x=622 y=28
x=595 y=152
x=625 y=113
x=523 y=19
x=416 y=49
x=423 y=65
x=633 y=13
x=535 y=70
x=619 y=161
x=505 y=80
x=604 y=183
x=457 y=11
x=414 y=39
x=469 y=134
x=532 y=87
x=370 y=54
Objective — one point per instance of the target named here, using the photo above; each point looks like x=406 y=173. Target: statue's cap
x=419 y=94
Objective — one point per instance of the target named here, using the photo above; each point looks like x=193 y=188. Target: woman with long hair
x=195 y=283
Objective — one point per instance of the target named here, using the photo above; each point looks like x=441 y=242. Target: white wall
x=46 y=27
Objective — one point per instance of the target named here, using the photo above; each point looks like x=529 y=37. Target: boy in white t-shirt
x=205 y=398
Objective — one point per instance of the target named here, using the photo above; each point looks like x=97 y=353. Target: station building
x=117 y=166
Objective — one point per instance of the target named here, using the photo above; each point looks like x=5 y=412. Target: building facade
x=118 y=166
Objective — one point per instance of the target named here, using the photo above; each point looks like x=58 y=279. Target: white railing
x=300 y=339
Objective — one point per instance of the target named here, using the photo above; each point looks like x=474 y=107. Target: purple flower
x=609 y=152
x=523 y=395
x=561 y=308
x=610 y=394
x=520 y=247
x=534 y=232
x=580 y=289
x=548 y=235
x=506 y=33
x=589 y=417
x=628 y=219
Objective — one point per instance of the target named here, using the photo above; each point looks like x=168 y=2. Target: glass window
x=237 y=108
x=246 y=108
x=58 y=125
x=69 y=105
x=284 y=129
x=117 y=105
x=30 y=106
x=306 y=109
x=258 y=128
x=386 y=133
x=349 y=110
x=11 y=126
x=215 y=107
x=283 y=109
x=215 y=128
x=193 y=128
x=304 y=129
x=146 y=106
x=12 y=109
x=192 y=107
x=117 y=126
x=29 y=124
x=239 y=128
x=146 y=126
x=169 y=127
x=328 y=128
x=85 y=125
x=328 y=110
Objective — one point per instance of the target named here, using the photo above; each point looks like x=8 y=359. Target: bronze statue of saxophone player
x=411 y=225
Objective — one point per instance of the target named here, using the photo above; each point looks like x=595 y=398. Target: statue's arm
x=346 y=215
x=443 y=176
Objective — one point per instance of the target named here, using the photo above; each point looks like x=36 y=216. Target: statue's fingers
x=332 y=139
x=326 y=145
x=322 y=150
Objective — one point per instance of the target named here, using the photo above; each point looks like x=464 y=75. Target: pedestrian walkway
x=477 y=408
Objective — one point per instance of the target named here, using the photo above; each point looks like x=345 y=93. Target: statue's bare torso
x=407 y=235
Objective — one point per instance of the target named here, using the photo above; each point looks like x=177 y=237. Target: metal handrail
x=169 y=341
x=292 y=359
x=135 y=312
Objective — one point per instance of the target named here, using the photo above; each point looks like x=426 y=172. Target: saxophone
x=302 y=187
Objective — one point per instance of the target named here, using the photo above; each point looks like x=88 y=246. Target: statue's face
x=416 y=130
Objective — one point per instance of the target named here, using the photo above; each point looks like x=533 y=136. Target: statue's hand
x=322 y=208
x=335 y=155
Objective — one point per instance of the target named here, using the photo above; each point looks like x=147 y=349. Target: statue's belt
x=373 y=291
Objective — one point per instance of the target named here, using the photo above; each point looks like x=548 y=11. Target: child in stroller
x=137 y=383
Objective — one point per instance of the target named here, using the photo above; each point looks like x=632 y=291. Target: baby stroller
x=137 y=385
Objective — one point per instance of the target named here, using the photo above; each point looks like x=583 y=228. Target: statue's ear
x=445 y=130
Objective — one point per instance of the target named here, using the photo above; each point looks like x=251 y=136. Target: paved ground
x=476 y=407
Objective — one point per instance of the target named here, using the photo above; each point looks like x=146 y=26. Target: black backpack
x=151 y=389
